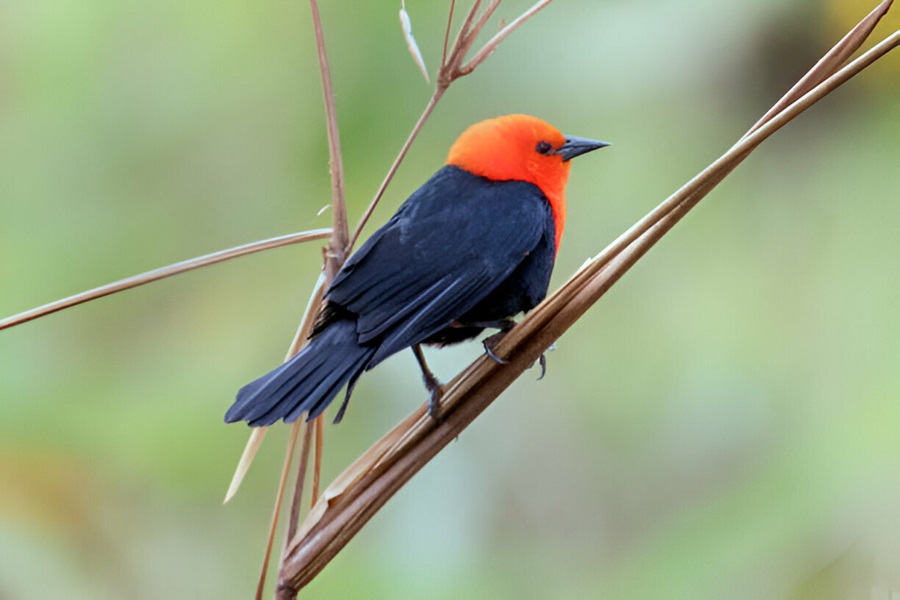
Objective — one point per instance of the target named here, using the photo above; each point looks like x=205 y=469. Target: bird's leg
x=491 y=341
x=435 y=390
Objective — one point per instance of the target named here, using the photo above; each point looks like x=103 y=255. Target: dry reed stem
x=447 y=33
x=340 y=230
x=348 y=503
x=276 y=511
x=161 y=273
x=301 y=479
x=829 y=63
x=334 y=256
x=317 y=472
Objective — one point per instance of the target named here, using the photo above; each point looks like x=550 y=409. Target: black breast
x=524 y=289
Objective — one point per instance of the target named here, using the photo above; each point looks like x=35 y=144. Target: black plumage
x=462 y=253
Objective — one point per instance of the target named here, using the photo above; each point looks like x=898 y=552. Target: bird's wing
x=451 y=243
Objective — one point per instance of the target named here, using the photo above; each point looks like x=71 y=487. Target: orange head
x=522 y=148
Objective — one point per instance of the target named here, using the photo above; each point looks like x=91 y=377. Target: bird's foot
x=490 y=342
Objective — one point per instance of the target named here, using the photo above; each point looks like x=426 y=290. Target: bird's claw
x=490 y=342
x=543 y=362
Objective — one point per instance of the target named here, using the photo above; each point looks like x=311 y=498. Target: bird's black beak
x=576 y=146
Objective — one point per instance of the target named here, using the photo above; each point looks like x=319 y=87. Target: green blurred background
x=724 y=424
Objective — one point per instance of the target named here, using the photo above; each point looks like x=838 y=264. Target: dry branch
x=276 y=510
x=338 y=247
x=334 y=256
x=162 y=273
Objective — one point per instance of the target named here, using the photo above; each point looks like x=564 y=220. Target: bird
x=470 y=249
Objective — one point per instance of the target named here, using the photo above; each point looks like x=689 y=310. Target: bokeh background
x=724 y=424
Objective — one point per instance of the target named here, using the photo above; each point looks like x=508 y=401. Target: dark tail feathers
x=308 y=382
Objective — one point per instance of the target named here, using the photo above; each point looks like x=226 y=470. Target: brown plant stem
x=308 y=432
x=829 y=63
x=161 y=273
x=339 y=235
x=317 y=471
x=295 y=506
x=447 y=33
x=334 y=257
x=282 y=483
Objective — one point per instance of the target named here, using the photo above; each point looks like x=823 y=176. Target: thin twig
x=276 y=511
x=162 y=273
x=447 y=33
x=713 y=173
x=334 y=256
x=282 y=591
x=485 y=16
x=829 y=63
x=465 y=28
x=258 y=433
x=317 y=471
x=340 y=232
x=308 y=432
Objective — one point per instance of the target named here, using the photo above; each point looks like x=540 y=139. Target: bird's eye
x=543 y=147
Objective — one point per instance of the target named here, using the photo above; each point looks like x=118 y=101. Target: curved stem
x=335 y=258
x=161 y=273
